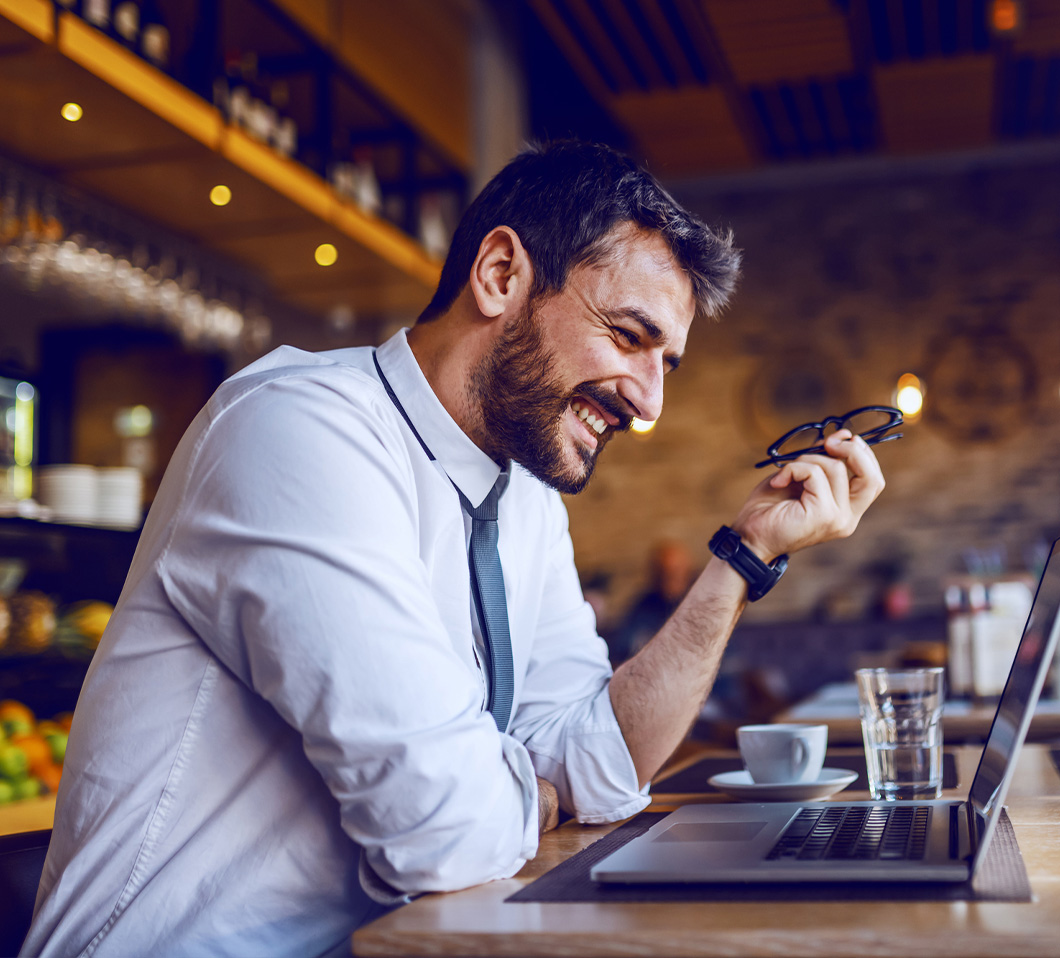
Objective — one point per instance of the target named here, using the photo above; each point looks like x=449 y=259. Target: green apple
x=27 y=788
x=16 y=725
x=57 y=742
x=7 y=792
x=13 y=762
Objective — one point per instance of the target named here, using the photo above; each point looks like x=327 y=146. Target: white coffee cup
x=783 y=754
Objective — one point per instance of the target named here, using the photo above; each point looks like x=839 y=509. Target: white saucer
x=740 y=785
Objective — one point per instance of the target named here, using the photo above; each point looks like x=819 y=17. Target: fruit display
x=31 y=752
x=82 y=624
x=32 y=622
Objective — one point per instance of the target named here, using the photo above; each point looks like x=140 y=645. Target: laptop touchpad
x=711 y=832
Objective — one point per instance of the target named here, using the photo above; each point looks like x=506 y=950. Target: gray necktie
x=487 y=581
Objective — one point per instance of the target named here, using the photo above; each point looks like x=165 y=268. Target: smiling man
x=352 y=661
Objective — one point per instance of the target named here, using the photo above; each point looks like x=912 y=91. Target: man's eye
x=632 y=338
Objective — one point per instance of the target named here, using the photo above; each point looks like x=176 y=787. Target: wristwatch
x=760 y=577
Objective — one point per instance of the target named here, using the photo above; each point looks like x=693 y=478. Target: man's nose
x=643 y=388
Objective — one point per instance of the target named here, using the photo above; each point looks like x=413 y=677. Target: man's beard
x=522 y=403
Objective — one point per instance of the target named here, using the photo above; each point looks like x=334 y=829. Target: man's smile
x=589 y=414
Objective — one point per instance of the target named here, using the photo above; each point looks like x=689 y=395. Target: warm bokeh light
x=134 y=421
x=909 y=395
x=642 y=427
x=1005 y=15
x=71 y=112
x=326 y=254
x=220 y=195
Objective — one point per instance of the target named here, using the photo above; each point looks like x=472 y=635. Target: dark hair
x=563 y=199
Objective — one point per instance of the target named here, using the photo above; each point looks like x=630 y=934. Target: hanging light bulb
x=909 y=395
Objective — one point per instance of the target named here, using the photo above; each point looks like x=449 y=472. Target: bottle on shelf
x=126 y=21
x=433 y=231
x=97 y=13
x=154 y=36
x=285 y=131
x=997 y=623
x=285 y=138
x=10 y=214
x=367 y=193
x=959 y=642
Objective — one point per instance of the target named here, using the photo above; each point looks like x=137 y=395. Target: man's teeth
x=598 y=425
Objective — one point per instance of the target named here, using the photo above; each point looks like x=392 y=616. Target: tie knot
x=487 y=509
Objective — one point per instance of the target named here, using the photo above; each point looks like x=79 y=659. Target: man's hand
x=657 y=694
x=813 y=499
x=547 y=806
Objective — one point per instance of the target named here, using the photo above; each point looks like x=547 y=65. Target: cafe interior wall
x=853 y=275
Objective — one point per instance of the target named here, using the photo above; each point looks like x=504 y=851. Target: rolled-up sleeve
x=294 y=558
x=564 y=716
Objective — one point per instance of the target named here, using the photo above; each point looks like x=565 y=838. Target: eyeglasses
x=872 y=423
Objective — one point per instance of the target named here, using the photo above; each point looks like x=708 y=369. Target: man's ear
x=502 y=274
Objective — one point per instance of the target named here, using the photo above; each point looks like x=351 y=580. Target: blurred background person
x=671 y=570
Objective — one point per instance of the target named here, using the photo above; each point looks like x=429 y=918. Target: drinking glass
x=901 y=722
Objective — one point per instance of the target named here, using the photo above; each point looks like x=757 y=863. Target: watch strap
x=726 y=544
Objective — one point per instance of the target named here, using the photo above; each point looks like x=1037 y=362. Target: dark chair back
x=21 y=864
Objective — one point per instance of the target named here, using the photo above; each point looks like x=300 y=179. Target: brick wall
x=950 y=273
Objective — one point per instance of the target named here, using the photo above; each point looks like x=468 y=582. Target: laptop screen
x=1024 y=685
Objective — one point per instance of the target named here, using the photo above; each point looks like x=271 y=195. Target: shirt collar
x=470 y=469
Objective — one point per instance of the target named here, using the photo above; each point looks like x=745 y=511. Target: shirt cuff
x=596 y=778
x=375 y=888
x=518 y=759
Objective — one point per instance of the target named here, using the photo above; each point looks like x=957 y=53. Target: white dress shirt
x=286 y=713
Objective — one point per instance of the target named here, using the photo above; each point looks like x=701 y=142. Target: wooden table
x=962 y=721
x=479 y=922
x=29 y=815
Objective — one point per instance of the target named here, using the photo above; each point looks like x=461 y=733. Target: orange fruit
x=50 y=775
x=12 y=710
x=38 y=751
x=65 y=719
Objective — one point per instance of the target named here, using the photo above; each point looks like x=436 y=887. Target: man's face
x=574 y=369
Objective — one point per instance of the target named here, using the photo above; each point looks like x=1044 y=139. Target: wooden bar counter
x=479 y=921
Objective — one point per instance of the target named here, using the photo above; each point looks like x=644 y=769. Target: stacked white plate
x=119 y=497
x=70 y=492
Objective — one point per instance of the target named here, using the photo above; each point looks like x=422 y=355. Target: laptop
x=938 y=840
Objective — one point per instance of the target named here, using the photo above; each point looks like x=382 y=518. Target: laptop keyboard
x=846 y=832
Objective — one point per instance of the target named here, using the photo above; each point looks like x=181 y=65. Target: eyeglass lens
x=866 y=422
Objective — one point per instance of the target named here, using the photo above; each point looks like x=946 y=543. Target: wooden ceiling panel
x=13 y=39
x=368 y=296
x=33 y=88
x=682 y=131
x=772 y=40
x=286 y=259
x=174 y=192
x=934 y=105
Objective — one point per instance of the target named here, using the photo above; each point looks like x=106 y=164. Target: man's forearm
x=657 y=694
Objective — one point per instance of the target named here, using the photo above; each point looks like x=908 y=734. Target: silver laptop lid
x=1018 y=700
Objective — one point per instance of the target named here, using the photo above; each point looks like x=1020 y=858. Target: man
x=303 y=710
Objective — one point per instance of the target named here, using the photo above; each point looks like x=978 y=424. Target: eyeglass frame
x=872 y=437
